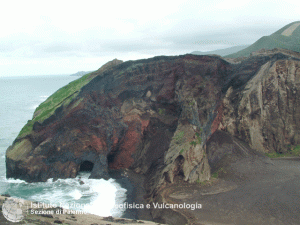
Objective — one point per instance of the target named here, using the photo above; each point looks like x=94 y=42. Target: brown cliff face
x=154 y=117
x=266 y=112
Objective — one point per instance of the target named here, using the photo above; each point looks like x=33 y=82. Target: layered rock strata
x=154 y=117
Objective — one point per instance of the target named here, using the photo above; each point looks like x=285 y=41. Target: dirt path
x=289 y=31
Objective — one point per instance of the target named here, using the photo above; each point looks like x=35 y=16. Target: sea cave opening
x=86 y=166
x=111 y=159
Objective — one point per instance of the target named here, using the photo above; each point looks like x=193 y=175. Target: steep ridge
x=222 y=52
x=267 y=112
x=155 y=116
x=287 y=37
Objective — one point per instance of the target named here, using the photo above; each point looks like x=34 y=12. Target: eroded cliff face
x=266 y=112
x=140 y=115
x=155 y=116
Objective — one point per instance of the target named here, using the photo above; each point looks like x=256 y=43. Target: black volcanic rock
x=155 y=116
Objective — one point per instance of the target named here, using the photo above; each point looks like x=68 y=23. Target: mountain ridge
x=221 y=52
x=275 y=40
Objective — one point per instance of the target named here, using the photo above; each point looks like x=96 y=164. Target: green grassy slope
x=275 y=40
x=63 y=96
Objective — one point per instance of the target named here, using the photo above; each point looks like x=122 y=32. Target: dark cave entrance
x=110 y=158
x=178 y=170
x=86 y=166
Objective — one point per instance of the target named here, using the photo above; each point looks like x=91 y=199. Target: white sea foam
x=104 y=200
x=19 y=98
x=44 y=97
x=14 y=181
x=41 y=99
x=76 y=194
x=120 y=197
x=95 y=196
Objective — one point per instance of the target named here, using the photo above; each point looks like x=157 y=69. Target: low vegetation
x=293 y=151
x=161 y=111
x=181 y=151
x=179 y=137
x=61 y=97
x=217 y=173
x=198 y=139
x=202 y=182
x=192 y=103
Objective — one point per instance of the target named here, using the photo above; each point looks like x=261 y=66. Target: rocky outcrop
x=155 y=116
x=266 y=112
x=140 y=115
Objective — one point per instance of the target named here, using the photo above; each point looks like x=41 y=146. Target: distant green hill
x=222 y=52
x=287 y=37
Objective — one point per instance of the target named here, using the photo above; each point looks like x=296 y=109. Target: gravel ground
x=254 y=192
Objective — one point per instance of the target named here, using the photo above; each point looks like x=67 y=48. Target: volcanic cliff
x=155 y=116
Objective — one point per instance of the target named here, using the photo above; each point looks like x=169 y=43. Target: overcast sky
x=63 y=37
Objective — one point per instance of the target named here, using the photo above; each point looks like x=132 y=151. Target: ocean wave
x=95 y=196
x=44 y=97
x=14 y=181
x=41 y=99
x=76 y=194
x=104 y=199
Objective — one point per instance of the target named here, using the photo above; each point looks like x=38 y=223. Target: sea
x=19 y=97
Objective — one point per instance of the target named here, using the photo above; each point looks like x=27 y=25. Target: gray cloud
x=61 y=46
x=182 y=37
x=58 y=47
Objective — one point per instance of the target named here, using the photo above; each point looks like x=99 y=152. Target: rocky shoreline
x=168 y=121
x=135 y=194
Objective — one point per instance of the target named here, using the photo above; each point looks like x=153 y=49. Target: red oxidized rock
x=128 y=116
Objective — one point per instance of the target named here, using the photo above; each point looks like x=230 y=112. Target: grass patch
x=19 y=149
x=193 y=143
x=293 y=151
x=274 y=155
x=192 y=103
x=179 y=137
x=161 y=111
x=202 y=182
x=198 y=139
x=217 y=173
x=63 y=96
